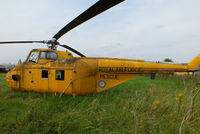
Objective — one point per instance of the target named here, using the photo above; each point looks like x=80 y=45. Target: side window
x=43 y=55
x=52 y=55
x=45 y=74
x=33 y=57
x=60 y=74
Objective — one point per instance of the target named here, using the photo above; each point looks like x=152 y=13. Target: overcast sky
x=138 y=29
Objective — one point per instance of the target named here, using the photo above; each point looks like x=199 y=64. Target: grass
x=138 y=106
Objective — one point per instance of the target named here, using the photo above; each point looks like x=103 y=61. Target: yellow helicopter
x=50 y=70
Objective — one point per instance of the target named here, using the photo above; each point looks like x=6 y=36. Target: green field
x=139 y=106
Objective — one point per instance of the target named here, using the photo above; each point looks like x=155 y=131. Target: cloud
x=140 y=29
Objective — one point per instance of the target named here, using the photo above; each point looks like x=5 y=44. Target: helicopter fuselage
x=47 y=70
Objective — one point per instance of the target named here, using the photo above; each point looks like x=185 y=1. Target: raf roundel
x=102 y=84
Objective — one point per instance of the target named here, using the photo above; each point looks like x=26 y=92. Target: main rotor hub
x=52 y=44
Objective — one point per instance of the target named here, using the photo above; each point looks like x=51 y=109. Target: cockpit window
x=33 y=57
x=48 y=55
x=52 y=55
x=43 y=55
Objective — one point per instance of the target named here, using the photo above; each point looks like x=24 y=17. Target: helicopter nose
x=15 y=77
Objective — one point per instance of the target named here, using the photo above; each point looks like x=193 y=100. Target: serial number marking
x=109 y=76
x=120 y=69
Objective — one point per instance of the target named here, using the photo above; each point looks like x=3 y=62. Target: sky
x=136 y=29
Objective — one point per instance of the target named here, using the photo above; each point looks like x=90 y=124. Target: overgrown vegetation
x=139 y=106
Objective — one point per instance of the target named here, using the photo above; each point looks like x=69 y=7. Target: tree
x=168 y=60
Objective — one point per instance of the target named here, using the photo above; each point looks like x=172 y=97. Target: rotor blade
x=16 y=42
x=73 y=50
x=97 y=8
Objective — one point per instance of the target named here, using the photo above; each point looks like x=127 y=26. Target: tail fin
x=194 y=65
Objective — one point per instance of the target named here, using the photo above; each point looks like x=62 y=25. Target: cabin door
x=59 y=81
x=44 y=78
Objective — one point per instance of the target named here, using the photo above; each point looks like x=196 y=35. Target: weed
x=140 y=106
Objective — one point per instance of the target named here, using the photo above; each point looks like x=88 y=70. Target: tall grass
x=138 y=106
